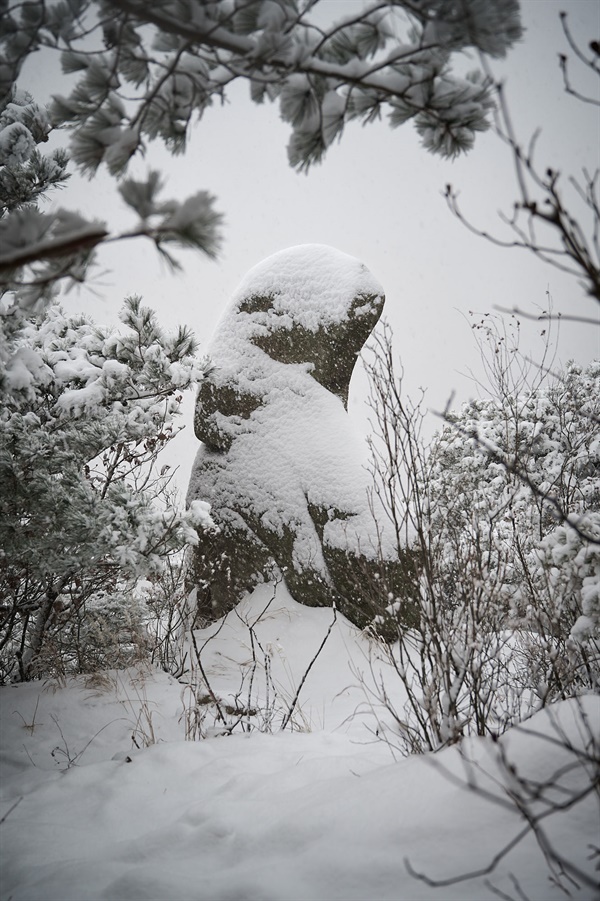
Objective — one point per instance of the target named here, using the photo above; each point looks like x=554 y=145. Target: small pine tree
x=86 y=412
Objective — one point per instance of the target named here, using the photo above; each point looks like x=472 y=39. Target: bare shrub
x=507 y=619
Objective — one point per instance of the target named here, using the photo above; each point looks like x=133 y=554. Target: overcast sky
x=377 y=196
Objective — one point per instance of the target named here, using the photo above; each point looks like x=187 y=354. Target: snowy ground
x=112 y=802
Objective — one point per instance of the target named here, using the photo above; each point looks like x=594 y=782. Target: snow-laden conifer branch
x=144 y=71
x=39 y=250
x=199 y=48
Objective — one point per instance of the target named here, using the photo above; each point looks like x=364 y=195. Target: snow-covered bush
x=168 y=614
x=86 y=412
x=501 y=513
x=108 y=631
x=525 y=460
x=527 y=468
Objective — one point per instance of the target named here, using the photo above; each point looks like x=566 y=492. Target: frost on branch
x=280 y=463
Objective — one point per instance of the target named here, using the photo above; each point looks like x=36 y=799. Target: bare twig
x=292 y=706
x=214 y=698
x=10 y=810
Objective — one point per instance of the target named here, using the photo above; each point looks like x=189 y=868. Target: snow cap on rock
x=310 y=304
x=314 y=284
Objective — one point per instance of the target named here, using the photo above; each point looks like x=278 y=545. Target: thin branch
x=547 y=317
x=473 y=874
x=292 y=706
x=213 y=696
x=10 y=810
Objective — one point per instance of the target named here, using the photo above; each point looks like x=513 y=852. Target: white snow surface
x=312 y=815
x=313 y=284
x=299 y=446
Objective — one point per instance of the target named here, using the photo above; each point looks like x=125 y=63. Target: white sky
x=377 y=196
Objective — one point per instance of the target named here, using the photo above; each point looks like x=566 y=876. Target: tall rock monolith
x=280 y=461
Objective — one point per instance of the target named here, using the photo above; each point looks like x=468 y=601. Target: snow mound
x=103 y=798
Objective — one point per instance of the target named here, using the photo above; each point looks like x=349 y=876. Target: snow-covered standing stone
x=280 y=462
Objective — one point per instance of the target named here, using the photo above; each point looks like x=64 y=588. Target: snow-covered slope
x=113 y=803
